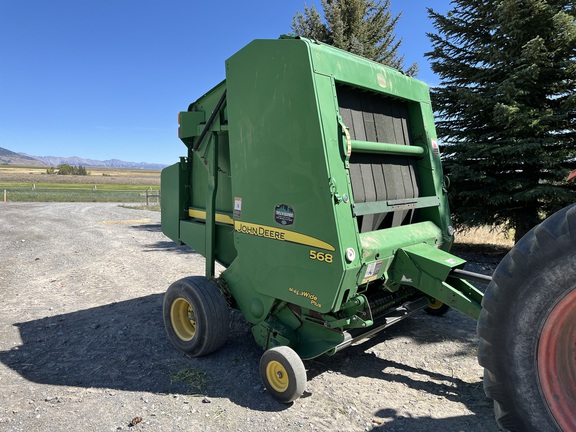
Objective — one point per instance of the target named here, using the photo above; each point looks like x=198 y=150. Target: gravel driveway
x=83 y=346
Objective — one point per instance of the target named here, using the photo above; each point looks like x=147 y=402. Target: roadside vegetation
x=487 y=240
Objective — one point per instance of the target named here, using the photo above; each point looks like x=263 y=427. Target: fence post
x=149 y=194
x=4 y=195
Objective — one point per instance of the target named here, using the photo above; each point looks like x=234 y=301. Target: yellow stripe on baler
x=280 y=234
x=220 y=217
x=264 y=230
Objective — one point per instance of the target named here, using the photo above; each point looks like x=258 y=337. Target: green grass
x=75 y=193
x=104 y=187
x=31 y=184
x=195 y=378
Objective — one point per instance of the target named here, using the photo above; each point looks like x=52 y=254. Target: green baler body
x=313 y=175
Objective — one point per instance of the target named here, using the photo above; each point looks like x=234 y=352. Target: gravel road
x=83 y=346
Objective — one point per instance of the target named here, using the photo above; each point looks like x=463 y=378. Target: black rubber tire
x=437 y=308
x=210 y=324
x=291 y=380
x=537 y=275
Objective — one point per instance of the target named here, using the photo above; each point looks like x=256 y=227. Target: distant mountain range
x=8 y=157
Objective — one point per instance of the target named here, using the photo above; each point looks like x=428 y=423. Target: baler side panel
x=278 y=162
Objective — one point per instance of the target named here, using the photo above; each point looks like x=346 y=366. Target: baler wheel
x=283 y=373
x=527 y=330
x=437 y=308
x=196 y=316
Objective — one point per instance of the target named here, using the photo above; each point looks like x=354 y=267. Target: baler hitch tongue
x=437 y=274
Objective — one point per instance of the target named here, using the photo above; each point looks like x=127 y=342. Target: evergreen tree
x=363 y=27
x=506 y=107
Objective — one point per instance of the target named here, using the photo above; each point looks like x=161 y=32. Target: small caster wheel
x=437 y=308
x=283 y=373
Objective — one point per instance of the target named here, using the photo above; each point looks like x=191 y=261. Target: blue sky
x=105 y=79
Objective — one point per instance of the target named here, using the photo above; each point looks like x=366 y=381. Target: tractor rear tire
x=283 y=373
x=527 y=330
x=196 y=316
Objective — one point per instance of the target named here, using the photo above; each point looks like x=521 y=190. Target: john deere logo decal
x=284 y=214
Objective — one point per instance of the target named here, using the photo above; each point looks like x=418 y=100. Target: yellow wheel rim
x=183 y=319
x=277 y=376
x=436 y=304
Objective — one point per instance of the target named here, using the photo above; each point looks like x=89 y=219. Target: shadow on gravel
x=425 y=424
x=168 y=246
x=123 y=346
x=355 y=361
x=116 y=346
x=148 y=227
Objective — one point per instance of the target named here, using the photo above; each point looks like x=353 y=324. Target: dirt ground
x=83 y=345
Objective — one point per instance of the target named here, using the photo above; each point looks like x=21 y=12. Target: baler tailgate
x=383 y=163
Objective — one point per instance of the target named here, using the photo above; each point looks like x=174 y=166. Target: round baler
x=314 y=177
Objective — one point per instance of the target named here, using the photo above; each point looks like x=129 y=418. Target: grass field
x=32 y=184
